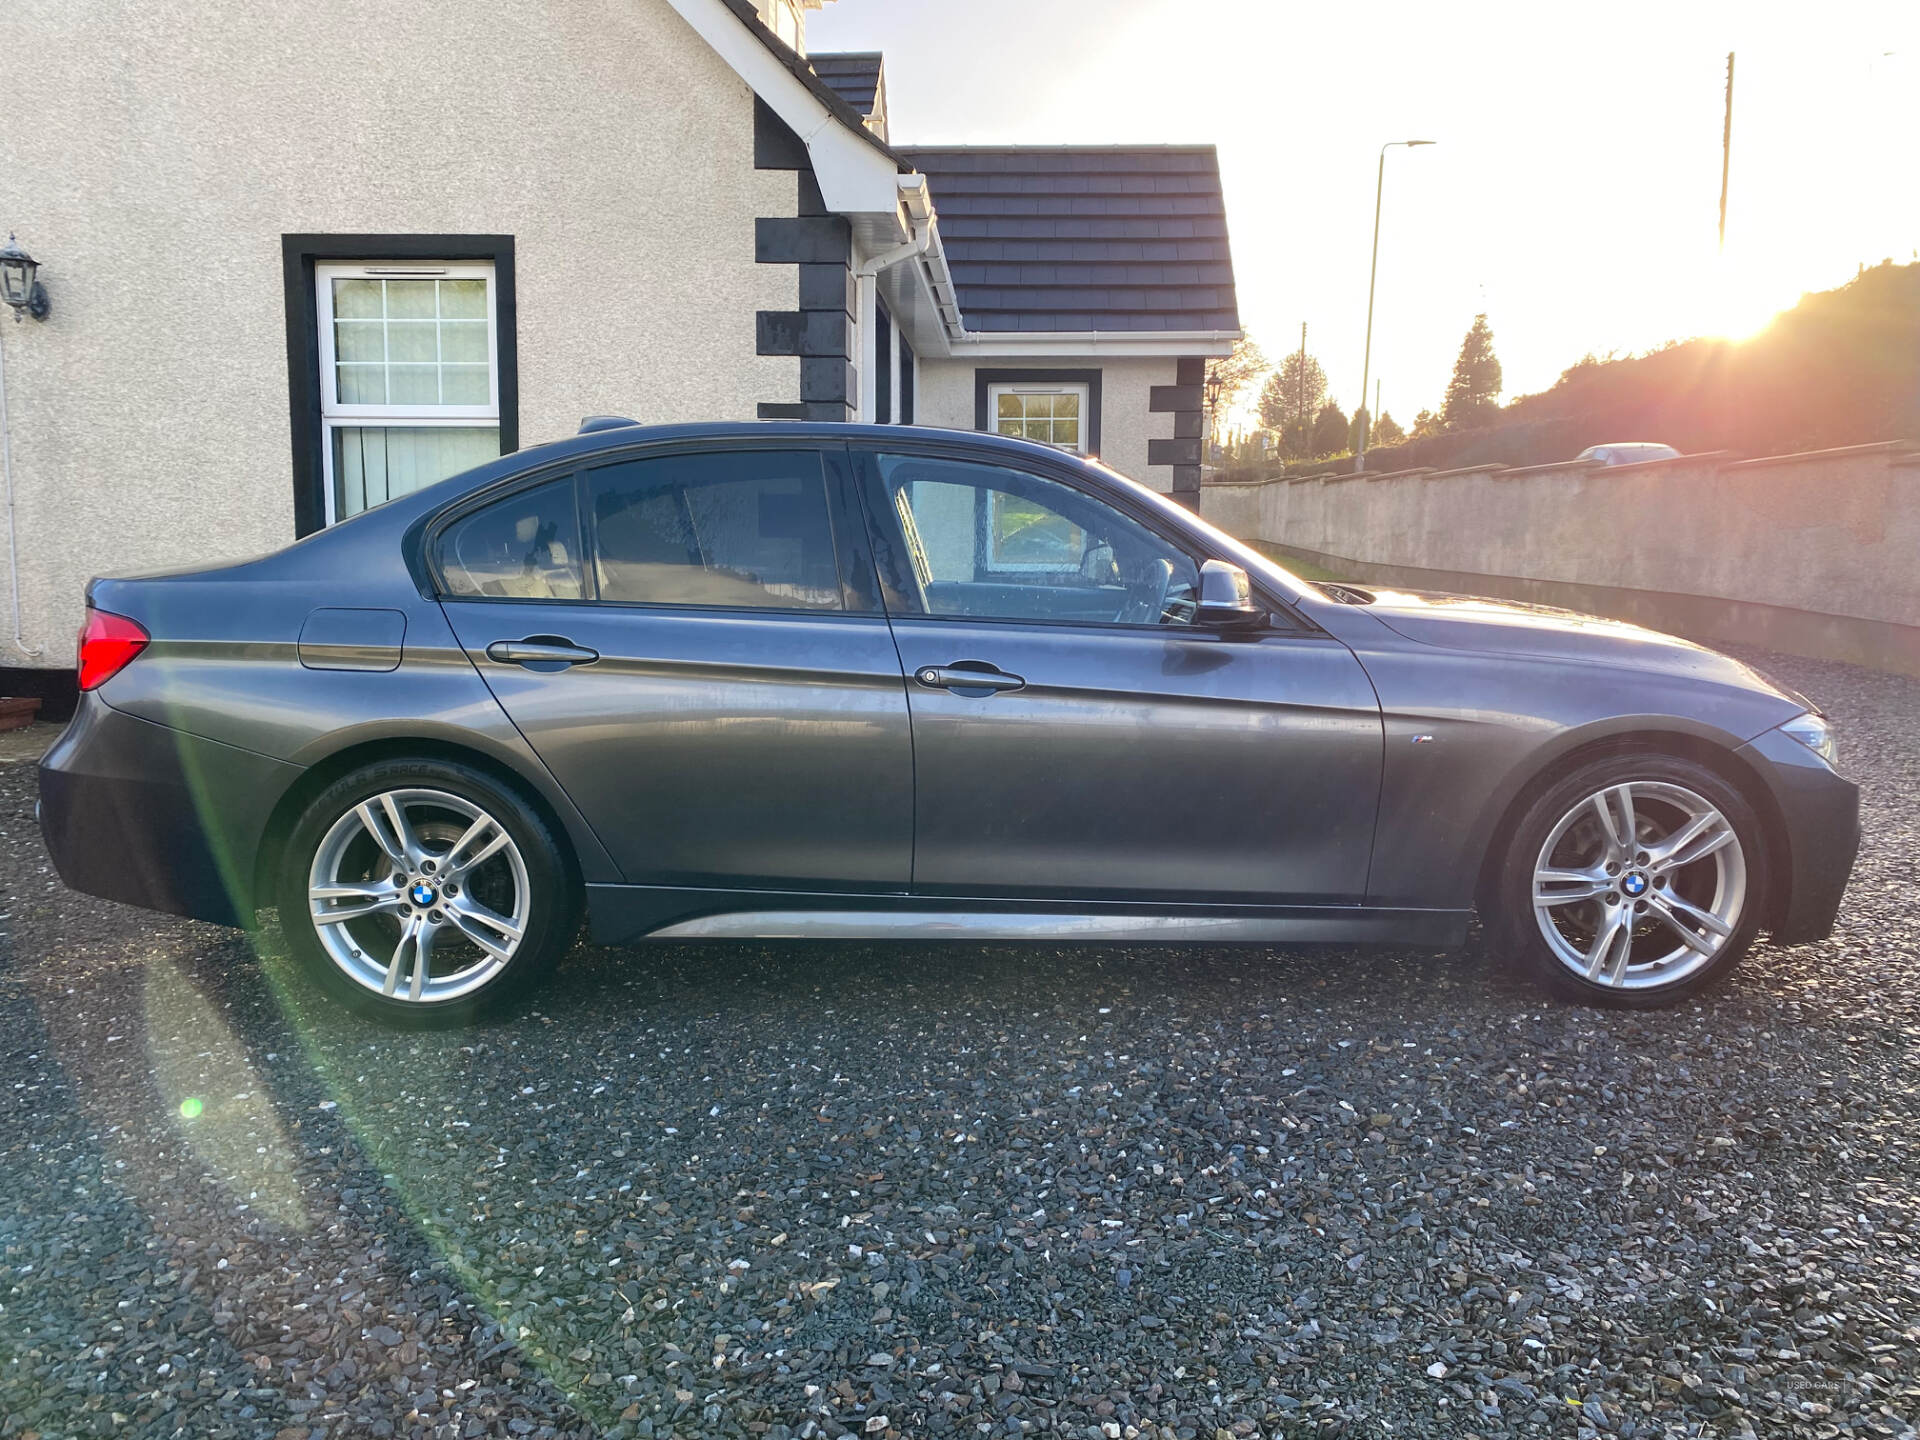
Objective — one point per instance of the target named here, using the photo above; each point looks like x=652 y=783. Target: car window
x=525 y=547
x=987 y=542
x=732 y=528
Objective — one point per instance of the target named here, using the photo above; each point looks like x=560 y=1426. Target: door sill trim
x=907 y=925
x=622 y=913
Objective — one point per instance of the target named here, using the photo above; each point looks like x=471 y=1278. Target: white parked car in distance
x=1628 y=452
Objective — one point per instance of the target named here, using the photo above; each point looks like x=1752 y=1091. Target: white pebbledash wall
x=156 y=153
x=946 y=391
x=1815 y=554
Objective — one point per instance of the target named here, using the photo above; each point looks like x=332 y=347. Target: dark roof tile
x=853 y=75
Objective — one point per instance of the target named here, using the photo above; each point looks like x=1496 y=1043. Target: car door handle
x=541 y=650
x=967 y=675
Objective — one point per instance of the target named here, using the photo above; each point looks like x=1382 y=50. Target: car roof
x=609 y=436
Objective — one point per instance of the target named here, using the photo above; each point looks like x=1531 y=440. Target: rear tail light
x=108 y=644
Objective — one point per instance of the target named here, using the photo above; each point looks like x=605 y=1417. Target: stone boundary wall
x=1814 y=554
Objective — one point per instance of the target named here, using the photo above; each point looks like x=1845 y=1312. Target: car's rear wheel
x=421 y=891
x=1634 y=880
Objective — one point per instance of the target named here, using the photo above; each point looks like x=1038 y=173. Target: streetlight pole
x=1373 y=274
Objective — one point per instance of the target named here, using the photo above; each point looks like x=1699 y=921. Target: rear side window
x=526 y=547
x=746 y=528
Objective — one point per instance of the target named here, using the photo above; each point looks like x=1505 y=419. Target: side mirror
x=1226 y=596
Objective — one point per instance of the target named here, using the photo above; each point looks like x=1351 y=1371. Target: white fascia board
x=1050 y=344
x=855 y=178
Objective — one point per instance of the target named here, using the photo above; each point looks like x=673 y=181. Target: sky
x=1573 y=194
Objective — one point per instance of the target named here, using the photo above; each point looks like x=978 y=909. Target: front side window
x=987 y=542
x=734 y=528
x=1052 y=414
x=409 y=378
x=525 y=547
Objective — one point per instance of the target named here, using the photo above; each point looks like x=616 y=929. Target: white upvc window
x=783 y=18
x=409 y=377
x=1052 y=414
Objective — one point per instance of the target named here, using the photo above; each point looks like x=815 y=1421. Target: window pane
x=1067 y=403
x=413 y=340
x=463 y=340
x=464 y=385
x=373 y=464
x=362 y=384
x=411 y=299
x=463 y=299
x=994 y=543
x=1012 y=427
x=526 y=547
x=413 y=385
x=1009 y=407
x=357 y=300
x=749 y=528
x=359 y=340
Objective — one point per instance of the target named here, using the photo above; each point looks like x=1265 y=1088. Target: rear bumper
x=150 y=816
x=1821 y=811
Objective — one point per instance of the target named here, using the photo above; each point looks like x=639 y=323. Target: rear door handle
x=967 y=675
x=542 y=651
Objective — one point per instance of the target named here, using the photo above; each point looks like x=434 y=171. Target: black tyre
x=421 y=892
x=1633 y=880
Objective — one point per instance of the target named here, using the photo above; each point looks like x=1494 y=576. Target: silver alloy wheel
x=418 y=895
x=1640 y=885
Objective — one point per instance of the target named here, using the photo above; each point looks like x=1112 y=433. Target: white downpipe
x=913 y=191
x=13 y=542
x=914 y=200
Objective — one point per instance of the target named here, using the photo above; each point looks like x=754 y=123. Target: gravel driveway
x=779 y=1191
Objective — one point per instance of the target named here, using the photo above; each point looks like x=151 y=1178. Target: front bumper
x=151 y=816
x=1821 y=814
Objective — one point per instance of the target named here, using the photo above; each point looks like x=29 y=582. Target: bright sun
x=1738 y=303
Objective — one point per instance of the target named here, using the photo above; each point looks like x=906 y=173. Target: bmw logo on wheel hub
x=1634 y=884
x=422 y=894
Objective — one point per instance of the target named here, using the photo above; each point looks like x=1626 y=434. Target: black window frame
x=298 y=256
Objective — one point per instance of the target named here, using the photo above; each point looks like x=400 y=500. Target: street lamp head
x=1411 y=143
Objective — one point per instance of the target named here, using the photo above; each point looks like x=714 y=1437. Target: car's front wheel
x=1633 y=880
x=419 y=891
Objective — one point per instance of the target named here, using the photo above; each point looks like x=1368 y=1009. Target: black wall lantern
x=18 y=285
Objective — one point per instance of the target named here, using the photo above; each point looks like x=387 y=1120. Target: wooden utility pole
x=1726 y=152
x=1300 y=384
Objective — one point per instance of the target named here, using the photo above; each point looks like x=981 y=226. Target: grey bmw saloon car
x=872 y=681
